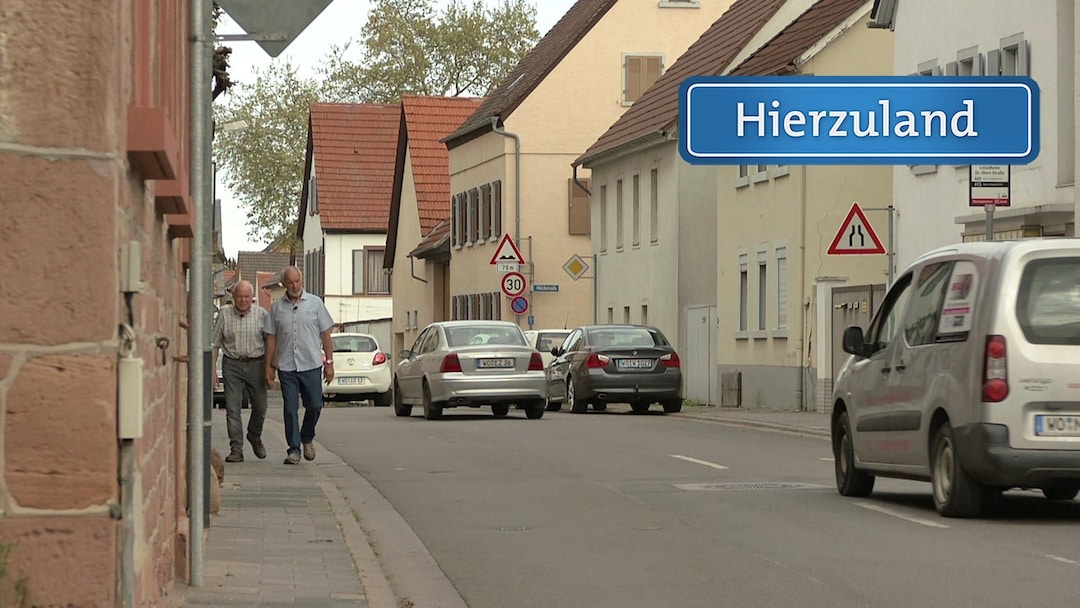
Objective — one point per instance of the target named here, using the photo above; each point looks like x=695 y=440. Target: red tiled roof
x=428 y=120
x=354 y=147
x=658 y=107
x=438 y=234
x=777 y=56
x=533 y=68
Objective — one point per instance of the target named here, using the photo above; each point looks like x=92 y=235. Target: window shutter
x=496 y=210
x=454 y=220
x=1022 y=58
x=951 y=68
x=633 y=77
x=993 y=63
x=652 y=73
x=578 y=213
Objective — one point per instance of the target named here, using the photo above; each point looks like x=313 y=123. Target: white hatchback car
x=544 y=340
x=361 y=370
x=967 y=377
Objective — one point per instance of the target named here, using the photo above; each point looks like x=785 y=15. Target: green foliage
x=20 y=584
x=466 y=49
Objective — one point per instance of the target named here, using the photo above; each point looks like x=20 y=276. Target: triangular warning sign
x=856 y=236
x=507 y=252
x=274 y=17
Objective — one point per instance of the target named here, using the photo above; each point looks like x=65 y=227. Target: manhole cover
x=749 y=485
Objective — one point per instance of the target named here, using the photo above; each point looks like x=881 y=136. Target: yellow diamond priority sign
x=575 y=267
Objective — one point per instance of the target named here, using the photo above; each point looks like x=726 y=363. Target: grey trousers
x=243 y=378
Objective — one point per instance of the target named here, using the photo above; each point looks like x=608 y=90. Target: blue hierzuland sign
x=863 y=120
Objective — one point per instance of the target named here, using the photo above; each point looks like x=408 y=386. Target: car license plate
x=1049 y=425
x=351 y=380
x=494 y=363
x=634 y=363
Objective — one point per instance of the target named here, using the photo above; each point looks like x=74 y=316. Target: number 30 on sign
x=513 y=284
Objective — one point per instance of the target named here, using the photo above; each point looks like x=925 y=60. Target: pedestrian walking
x=238 y=337
x=299 y=350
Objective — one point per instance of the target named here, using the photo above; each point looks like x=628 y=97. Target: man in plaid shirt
x=238 y=333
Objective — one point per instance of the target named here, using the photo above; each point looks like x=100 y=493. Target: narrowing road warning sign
x=856 y=236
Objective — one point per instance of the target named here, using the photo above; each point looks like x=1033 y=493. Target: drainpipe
x=595 y=265
x=412 y=270
x=800 y=396
x=517 y=175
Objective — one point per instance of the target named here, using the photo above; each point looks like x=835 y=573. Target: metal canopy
x=274 y=24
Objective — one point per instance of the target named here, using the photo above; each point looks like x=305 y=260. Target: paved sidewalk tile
x=276 y=541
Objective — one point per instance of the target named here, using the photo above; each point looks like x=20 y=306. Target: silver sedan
x=470 y=364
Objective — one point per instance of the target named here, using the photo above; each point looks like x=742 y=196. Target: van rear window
x=1048 y=302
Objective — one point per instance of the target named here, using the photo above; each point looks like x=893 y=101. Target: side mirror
x=853 y=341
x=405 y=354
x=555 y=351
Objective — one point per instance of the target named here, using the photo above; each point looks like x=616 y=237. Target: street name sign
x=549 y=287
x=863 y=120
x=856 y=236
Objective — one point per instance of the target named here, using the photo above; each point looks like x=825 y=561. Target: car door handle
x=900 y=367
x=886 y=369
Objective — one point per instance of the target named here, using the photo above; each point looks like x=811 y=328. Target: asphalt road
x=620 y=510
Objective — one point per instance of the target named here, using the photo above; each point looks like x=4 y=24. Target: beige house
x=654 y=216
x=416 y=251
x=510 y=162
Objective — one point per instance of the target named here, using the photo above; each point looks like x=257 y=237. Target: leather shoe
x=235 y=456
x=257 y=446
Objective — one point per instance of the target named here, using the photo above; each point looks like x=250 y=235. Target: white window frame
x=654 y=206
x=1014 y=55
x=635 y=210
x=603 y=218
x=619 y=215
x=781 y=282
x=762 y=280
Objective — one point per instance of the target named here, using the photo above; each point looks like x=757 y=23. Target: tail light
x=536 y=364
x=596 y=361
x=995 y=386
x=450 y=363
x=671 y=360
x=380 y=358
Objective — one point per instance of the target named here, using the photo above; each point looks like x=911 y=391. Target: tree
x=466 y=50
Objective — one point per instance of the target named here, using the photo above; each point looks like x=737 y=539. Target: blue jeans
x=294 y=386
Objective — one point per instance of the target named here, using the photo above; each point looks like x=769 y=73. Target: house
x=510 y=162
x=345 y=207
x=654 y=216
x=257 y=267
x=988 y=38
x=420 y=205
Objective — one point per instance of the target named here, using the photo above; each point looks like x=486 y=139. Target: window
x=618 y=216
x=485 y=213
x=603 y=218
x=408 y=319
x=921 y=320
x=654 y=205
x=929 y=68
x=762 y=286
x=358 y=271
x=625 y=314
x=378 y=281
x=969 y=62
x=639 y=73
x=644 y=314
x=610 y=315
x=578 y=211
x=883 y=328
x=1047 y=304
x=496 y=209
x=313 y=197
x=635 y=208
x=781 y=288
x=415 y=319
x=1014 y=55
x=744 y=289
x=743 y=177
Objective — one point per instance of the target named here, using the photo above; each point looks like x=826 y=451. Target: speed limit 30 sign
x=513 y=284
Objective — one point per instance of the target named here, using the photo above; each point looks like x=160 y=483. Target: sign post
x=990 y=187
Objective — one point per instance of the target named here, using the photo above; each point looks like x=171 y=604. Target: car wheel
x=1061 y=492
x=500 y=409
x=672 y=406
x=399 y=405
x=552 y=406
x=849 y=480
x=639 y=407
x=956 y=494
x=383 y=399
x=432 y=411
x=534 y=409
x=577 y=407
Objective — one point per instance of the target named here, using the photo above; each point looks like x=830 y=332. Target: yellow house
x=510 y=162
x=417 y=241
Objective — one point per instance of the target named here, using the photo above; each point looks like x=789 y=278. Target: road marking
x=914 y=520
x=829 y=459
x=701 y=462
x=1062 y=559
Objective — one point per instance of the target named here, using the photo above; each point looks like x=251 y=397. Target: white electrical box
x=129 y=388
x=131 y=267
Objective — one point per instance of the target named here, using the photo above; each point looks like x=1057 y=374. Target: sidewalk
x=286 y=535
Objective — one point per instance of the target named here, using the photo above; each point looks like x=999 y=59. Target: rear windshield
x=550 y=339
x=626 y=336
x=1048 y=303
x=353 y=344
x=484 y=334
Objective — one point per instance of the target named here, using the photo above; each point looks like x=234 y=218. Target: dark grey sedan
x=601 y=364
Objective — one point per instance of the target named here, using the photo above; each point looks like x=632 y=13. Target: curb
x=757 y=424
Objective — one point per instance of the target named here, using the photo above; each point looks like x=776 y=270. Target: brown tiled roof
x=533 y=68
x=439 y=236
x=426 y=120
x=658 y=107
x=354 y=147
x=250 y=263
x=777 y=57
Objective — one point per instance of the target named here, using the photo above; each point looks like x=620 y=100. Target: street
x=615 y=509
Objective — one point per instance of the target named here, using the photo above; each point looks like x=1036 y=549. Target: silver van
x=968 y=377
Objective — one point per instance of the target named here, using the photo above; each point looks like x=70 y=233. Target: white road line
x=701 y=462
x=1062 y=559
x=914 y=520
x=829 y=459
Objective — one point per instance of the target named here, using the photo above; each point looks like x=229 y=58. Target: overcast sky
x=340 y=22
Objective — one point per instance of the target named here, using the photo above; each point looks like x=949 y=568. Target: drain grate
x=749 y=485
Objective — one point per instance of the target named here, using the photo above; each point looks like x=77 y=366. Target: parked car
x=967 y=377
x=544 y=340
x=470 y=364
x=600 y=364
x=361 y=370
